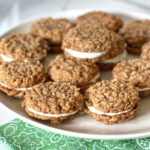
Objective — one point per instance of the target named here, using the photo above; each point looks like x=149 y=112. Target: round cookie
x=22 y=46
x=52 y=30
x=146 y=51
x=17 y=77
x=111 y=101
x=103 y=19
x=136 y=33
x=94 y=44
x=137 y=72
x=63 y=69
x=53 y=101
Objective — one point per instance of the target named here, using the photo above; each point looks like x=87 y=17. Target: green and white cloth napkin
x=19 y=135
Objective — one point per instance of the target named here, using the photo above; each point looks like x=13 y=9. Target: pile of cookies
x=95 y=42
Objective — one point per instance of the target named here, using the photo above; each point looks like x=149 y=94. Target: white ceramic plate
x=82 y=125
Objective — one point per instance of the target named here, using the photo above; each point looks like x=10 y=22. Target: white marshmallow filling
x=51 y=115
x=116 y=59
x=19 y=89
x=143 y=89
x=85 y=55
x=94 y=110
x=8 y=59
x=88 y=55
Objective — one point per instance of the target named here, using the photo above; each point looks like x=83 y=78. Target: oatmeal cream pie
x=94 y=44
x=22 y=46
x=136 y=33
x=17 y=77
x=103 y=19
x=136 y=71
x=63 y=69
x=111 y=101
x=146 y=51
x=52 y=30
x=53 y=101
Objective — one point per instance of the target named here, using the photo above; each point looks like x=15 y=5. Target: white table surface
x=13 y=12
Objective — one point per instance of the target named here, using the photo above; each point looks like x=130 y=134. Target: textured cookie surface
x=146 y=51
x=72 y=71
x=23 y=46
x=102 y=19
x=93 y=39
x=136 y=71
x=54 y=98
x=20 y=74
x=136 y=32
x=51 y=29
x=112 y=96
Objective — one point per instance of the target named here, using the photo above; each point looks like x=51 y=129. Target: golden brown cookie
x=23 y=47
x=52 y=30
x=111 y=101
x=92 y=43
x=136 y=33
x=63 y=69
x=19 y=76
x=103 y=19
x=137 y=72
x=53 y=101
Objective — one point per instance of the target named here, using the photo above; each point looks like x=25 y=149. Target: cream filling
x=95 y=78
x=8 y=59
x=92 y=109
x=116 y=59
x=144 y=89
x=19 y=89
x=51 y=115
x=84 y=55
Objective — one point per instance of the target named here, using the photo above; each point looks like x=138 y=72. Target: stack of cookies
x=95 y=42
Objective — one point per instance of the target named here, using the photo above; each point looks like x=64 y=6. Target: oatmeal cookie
x=92 y=43
x=136 y=33
x=111 y=101
x=23 y=47
x=53 y=101
x=52 y=30
x=19 y=76
x=103 y=19
x=63 y=69
x=137 y=72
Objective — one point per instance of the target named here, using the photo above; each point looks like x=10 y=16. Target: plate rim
x=67 y=132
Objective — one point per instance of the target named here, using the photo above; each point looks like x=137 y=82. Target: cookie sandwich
x=94 y=44
x=51 y=30
x=23 y=47
x=17 y=77
x=111 y=102
x=63 y=69
x=137 y=72
x=136 y=33
x=53 y=101
x=103 y=19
